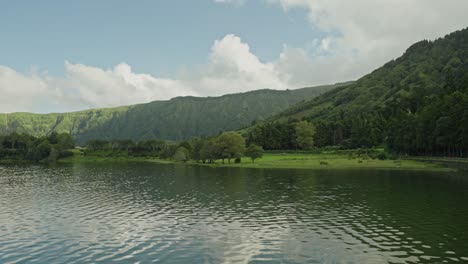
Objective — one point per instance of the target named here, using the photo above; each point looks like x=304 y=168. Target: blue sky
x=155 y=37
x=70 y=55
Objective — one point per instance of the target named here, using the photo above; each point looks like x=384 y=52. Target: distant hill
x=416 y=104
x=175 y=119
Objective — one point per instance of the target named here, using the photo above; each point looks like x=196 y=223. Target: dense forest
x=24 y=147
x=177 y=119
x=416 y=105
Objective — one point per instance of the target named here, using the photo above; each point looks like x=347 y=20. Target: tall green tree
x=305 y=132
x=197 y=145
x=210 y=151
x=254 y=152
x=181 y=154
x=231 y=146
x=65 y=141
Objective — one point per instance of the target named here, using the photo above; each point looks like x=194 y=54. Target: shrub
x=182 y=154
x=66 y=153
x=254 y=152
x=382 y=156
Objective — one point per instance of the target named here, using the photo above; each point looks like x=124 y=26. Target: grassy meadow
x=327 y=161
x=279 y=161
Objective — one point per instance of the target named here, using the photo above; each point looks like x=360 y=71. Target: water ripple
x=134 y=213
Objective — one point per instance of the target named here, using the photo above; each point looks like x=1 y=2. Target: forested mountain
x=175 y=119
x=416 y=104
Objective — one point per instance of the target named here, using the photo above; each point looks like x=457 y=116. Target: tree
x=186 y=145
x=65 y=141
x=232 y=145
x=156 y=145
x=254 y=152
x=209 y=151
x=181 y=154
x=54 y=154
x=273 y=136
x=197 y=144
x=168 y=151
x=53 y=138
x=97 y=144
x=126 y=144
x=305 y=132
x=26 y=147
x=42 y=150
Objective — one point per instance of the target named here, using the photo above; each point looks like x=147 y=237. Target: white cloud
x=21 y=92
x=233 y=68
x=230 y=68
x=83 y=87
x=360 y=36
x=231 y=2
x=119 y=86
x=364 y=34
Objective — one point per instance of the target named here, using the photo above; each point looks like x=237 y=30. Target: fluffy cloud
x=364 y=34
x=360 y=36
x=22 y=92
x=118 y=86
x=83 y=87
x=231 y=68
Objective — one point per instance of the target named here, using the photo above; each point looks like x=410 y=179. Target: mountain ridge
x=174 y=119
x=416 y=104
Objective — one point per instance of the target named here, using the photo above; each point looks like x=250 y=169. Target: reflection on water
x=181 y=214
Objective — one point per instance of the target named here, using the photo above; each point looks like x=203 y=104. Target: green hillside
x=175 y=119
x=416 y=104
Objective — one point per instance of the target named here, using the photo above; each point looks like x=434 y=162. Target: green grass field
x=107 y=156
x=285 y=160
x=327 y=161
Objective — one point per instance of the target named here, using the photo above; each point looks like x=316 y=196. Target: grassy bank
x=283 y=161
x=328 y=161
x=460 y=164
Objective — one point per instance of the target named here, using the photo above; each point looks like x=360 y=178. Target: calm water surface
x=141 y=213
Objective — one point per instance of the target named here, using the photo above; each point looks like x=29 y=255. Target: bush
x=237 y=160
x=331 y=148
x=382 y=156
x=182 y=154
x=66 y=153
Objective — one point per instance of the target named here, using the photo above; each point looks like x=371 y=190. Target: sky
x=58 y=56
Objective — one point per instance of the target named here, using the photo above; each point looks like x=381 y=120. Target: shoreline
x=284 y=161
x=306 y=161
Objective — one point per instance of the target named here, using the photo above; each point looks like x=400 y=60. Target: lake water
x=141 y=213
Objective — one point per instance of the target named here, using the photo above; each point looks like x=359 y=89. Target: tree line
x=414 y=105
x=227 y=146
x=292 y=135
x=29 y=148
x=437 y=127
